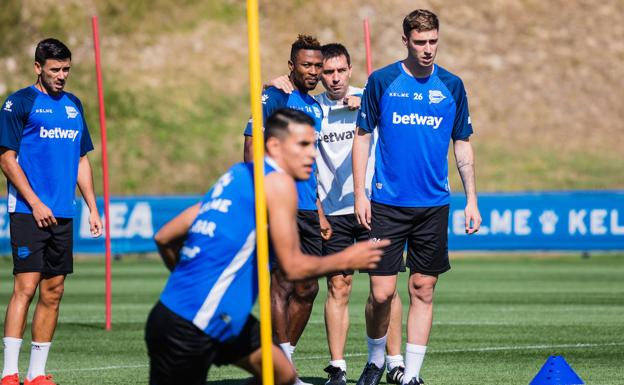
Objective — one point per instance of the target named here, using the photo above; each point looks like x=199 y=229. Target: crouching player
x=203 y=316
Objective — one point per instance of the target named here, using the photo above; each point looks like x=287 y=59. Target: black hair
x=51 y=49
x=303 y=42
x=277 y=125
x=333 y=50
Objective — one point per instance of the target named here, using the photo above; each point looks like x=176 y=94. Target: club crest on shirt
x=436 y=96
x=71 y=112
x=8 y=105
x=317 y=112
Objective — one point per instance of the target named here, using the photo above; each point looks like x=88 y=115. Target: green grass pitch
x=497 y=319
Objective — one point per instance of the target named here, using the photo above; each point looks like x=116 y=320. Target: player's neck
x=39 y=85
x=299 y=87
x=416 y=70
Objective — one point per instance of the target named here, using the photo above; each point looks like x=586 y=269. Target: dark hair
x=303 y=42
x=421 y=20
x=51 y=49
x=277 y=125
x=335 y=50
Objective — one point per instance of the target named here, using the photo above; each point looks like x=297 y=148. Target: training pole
x=369 y=60
x=255 y=89
x=100 y=88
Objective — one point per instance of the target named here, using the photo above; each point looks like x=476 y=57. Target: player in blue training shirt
x=44 y=142
x=417 y=108
x=292 y=301
x=203 y=316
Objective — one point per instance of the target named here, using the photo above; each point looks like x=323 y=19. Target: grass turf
x=496 y=321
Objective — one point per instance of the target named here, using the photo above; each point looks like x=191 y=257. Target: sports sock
x=286 y=346
x=12 y=348
x=38 y=358
x=414 y=356
x=342 y=364
x=376 y=349
x=394 y=361
x=292 y=349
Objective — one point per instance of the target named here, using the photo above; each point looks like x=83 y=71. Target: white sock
x=342 y=364
x=394 y=361
x=286 y=346
x=12 y=348
x=376 y=350
x=292 y=349
x=38 y=358
x=414 y=356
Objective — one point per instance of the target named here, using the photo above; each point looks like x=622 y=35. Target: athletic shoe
x=40 y=380
x=416 y=381
x=395 y=376
x=336 y=376
x=13 y=379
x=371 y=375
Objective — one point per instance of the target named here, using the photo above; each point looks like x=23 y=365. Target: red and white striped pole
x=369 y=60
x=100 y=88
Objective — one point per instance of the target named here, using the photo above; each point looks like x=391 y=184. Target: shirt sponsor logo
x=71 y=112
x=399 y=94
x=43 y=111
x=337 y=136
x=8 y=105
x=58 y=133
x=417 y=120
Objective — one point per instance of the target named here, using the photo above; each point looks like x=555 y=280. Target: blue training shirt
x=49 y=134
x=274 y=99
x=215 y=285
x=416 y=119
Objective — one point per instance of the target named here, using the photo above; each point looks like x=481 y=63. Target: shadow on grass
x=311 y=380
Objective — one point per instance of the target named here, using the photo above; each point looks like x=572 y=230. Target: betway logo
x=415 y=119
x=58 y=133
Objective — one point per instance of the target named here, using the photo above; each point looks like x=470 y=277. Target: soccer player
x=340 y=103
x=417 y=108
x=340 y=228
x=203 y=316
x=44 y=142
x=292 y=301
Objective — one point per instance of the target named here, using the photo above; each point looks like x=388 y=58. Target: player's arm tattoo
x=464 y=157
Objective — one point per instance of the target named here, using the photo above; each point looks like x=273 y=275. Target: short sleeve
x=272 y=100
x=369 y=110
x=13 y=117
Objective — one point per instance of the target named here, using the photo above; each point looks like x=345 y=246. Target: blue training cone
x=556 y=371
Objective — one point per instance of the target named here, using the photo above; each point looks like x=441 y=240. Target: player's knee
x=25 y=292
x=339 y=289
x=307 y=291
x=51 y=296
x=381 y=296
x=422 y=292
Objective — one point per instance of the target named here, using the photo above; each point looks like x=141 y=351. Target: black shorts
x=345 y=231
x=309 y=232
x=181 y=353
x=425 y=231
x=45 y=250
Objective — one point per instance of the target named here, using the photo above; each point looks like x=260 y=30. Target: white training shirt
x=335 y=171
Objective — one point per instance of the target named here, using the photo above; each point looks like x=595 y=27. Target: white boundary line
x=441 y=351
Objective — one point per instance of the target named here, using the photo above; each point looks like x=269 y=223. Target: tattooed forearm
x=464 y=157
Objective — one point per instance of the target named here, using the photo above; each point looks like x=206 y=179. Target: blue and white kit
x=274 y=99
x=49 y=134
x=215 y=284
x=416 y=119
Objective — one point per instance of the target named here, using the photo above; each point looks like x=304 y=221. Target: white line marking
x=434 y=351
